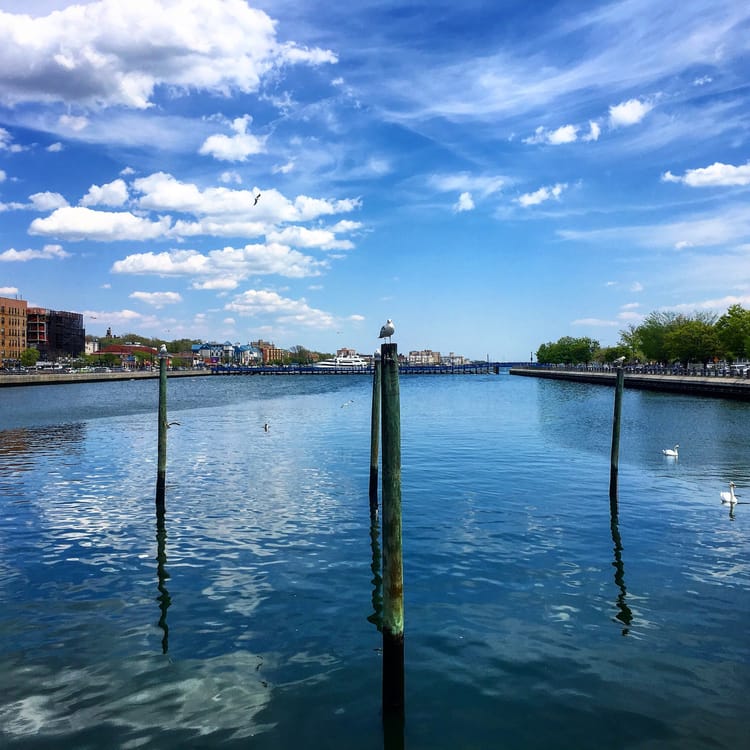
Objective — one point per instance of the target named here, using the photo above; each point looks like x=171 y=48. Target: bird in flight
x=387 y=330
x=255 y=202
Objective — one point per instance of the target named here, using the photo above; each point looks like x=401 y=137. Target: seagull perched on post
x=387 y=330
x=619 y=360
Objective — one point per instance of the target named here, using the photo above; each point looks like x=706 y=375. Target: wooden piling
x=374 y=436
x=164 y=598
x=615 y=456
x=161 y=470
x=393 y=589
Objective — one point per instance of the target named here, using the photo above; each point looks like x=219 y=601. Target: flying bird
x=387 y=330
x=729 y=497
x=674 y=452
x=255 y=202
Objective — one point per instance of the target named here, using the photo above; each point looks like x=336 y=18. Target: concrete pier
x=693 y=385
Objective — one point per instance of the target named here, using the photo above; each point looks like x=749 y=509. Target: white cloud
x=284 y=168
x=594 y=132
x=88 y=54
x=54 y=148
x=595 y=322
x=157 y=299
x=72 y=122
x=3 y=176
x=211 y=270
x=636 y=286
x=540 y=196
x=47 y=201
x=261 y=303
x=304 y=237
x=702 y=81
x=465 y=182
x=564 y=134
x=464 y=203
x=79 y=223
x=628 y=113
x=8 y=291
x=234 y=148
x=230 y=176
x=112 y=194
x=717 y=174
x=6 y=139
x=48 y=252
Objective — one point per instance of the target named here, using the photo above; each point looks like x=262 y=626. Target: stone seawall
x=44 y=378
x=694 y=385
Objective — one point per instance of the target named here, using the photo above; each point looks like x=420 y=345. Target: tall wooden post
x=161 y=469
x=615 y=457
x=393 y=572
x=374 y=436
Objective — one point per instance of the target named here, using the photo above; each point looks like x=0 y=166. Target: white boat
x=343 y=362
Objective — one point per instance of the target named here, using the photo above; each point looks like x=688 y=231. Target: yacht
x=343 y=362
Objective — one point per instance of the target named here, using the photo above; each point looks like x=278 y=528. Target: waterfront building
x=270 y=352
x=55 y=333
x=13 y=314
x=424 y=357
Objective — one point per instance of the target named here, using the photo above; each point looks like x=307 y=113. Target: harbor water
x=536 y=615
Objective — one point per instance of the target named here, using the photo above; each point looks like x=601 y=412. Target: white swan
x=729 y=497
x=672 y=451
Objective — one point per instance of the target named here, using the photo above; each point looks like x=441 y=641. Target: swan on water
x=729 y=497
x=672 y=451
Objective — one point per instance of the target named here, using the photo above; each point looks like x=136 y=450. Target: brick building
x=13 y=313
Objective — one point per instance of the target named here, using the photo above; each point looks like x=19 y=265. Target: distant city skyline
x=491 y=176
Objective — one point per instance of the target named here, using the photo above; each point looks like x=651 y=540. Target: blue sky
x=490 y=175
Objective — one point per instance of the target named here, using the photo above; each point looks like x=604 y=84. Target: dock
x=716 y=385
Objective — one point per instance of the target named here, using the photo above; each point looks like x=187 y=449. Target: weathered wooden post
x=161 y=469
x=616 y=433
x=164 y=598
x=393 y=572
x=374 y=435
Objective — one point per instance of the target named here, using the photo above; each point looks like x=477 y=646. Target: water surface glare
x=535 y=616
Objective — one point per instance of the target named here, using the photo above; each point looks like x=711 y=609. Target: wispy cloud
x=541 y=195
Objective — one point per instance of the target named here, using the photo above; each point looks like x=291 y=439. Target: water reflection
x=18 y=445
x=624 y=614
x=164 y=598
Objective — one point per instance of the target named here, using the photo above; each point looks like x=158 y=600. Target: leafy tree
x=733 y=330
x=692 y=341
x=29 y=357
x=611 y=353
x=567 y=350
x=652 y=333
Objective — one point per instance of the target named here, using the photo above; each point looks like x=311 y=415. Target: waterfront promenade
x=718 y=386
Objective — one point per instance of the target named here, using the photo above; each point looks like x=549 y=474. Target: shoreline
x=693 y=385
x=65 y=378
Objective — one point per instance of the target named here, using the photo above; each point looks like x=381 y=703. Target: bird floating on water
x=674 y=452
x=387 y=330
x=729 y=497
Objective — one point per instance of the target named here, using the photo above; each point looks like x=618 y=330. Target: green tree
x=733 y=330
x=29 y=357
x=692 y=341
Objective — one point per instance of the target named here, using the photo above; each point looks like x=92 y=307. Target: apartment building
x=13 y=314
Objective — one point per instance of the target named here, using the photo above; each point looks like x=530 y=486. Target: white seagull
x=674 y=452
x=387 y=330
x=729 y=497
x=620 y=360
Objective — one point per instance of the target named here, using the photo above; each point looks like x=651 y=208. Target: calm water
x=532 y=620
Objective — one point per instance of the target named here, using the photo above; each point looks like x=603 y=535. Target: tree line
x=663 y=337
